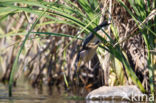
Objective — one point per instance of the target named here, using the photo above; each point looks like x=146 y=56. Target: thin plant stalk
x=15 y=66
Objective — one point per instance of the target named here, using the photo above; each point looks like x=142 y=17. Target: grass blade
x=57 y=34
x=17 y=57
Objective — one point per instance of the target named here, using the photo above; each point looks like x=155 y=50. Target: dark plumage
x=91 y=35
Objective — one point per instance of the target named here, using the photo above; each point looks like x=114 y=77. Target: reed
x=80 y=18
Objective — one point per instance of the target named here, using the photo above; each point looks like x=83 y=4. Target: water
x=24 y=93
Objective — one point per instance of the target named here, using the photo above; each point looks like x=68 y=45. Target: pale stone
x=114 y=93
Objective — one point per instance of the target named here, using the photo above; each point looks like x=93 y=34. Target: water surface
x=24 y=93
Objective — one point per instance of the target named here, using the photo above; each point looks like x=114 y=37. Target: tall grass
x=84 y=16
x=142 y=10
x=15 y=65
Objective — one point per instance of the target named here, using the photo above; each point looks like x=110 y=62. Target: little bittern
x=89 y=46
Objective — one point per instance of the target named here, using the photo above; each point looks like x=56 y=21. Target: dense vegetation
x=41 y=38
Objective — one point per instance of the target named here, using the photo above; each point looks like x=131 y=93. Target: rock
x=114 y=93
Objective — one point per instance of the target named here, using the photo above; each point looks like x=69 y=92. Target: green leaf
x=15 y=66
x=57 y=34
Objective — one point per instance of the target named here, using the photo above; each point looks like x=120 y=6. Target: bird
x=89 y=46
x=91 y=37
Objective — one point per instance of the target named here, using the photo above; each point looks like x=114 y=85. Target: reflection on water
x=24 y=93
